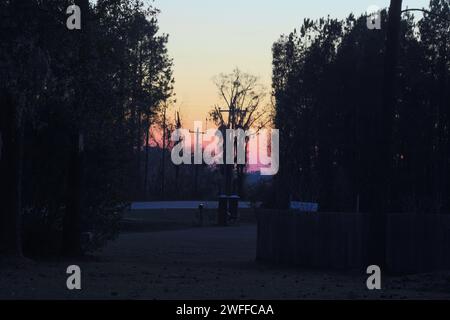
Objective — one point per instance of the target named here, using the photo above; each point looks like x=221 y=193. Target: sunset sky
x=208 y=37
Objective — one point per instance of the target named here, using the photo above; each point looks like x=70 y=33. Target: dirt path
x=201 y=263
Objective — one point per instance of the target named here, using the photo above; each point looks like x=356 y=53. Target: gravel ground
x=199 y=263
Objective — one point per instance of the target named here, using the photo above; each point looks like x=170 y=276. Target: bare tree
x=243 y=97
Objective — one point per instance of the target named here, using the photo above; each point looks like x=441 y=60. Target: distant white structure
x=161 y=205
x=304 y=206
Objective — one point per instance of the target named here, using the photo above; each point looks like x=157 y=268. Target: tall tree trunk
x=138 y=154
x=382 y=157
x=147 y=144
x=72 y=218
x=446 y=146
x=240 y=180
x=195 y=195
x=177 y=182
x=442 y=152
x=10 y=173
x=282 y=181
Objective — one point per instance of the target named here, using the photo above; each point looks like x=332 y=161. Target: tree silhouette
x=81 y=99
x=352 y=138
x=242 y=96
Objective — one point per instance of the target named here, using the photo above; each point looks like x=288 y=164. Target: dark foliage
x=328 y=85
x=82 y=101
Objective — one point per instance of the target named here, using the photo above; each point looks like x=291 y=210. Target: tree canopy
x=328 y=83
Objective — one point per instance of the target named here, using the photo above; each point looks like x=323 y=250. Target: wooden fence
x=414 y=243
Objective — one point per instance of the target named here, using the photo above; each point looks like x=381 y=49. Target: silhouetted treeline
x=182 y=182
x=75 y=109
x=328 y=83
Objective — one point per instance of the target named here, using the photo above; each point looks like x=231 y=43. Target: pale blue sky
x=208 y=37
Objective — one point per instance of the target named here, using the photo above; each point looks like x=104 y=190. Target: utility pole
x=163 y=166
x=197 y=147
x=178 y=125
